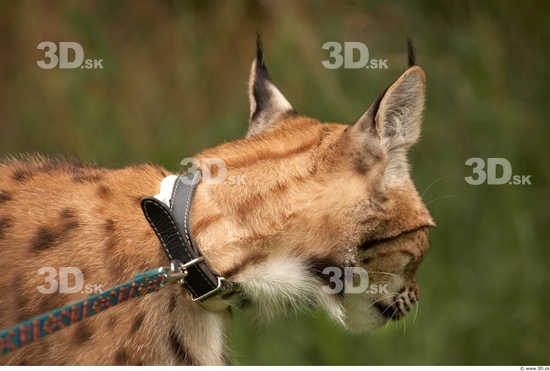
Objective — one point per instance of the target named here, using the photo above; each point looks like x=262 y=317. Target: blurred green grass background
x=174 y=82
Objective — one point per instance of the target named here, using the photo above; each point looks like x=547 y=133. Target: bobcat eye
x=369 y=243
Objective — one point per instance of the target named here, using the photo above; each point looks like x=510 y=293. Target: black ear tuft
x=259 y=51
x=261 y=77
x=410 y=52
x=267 y=105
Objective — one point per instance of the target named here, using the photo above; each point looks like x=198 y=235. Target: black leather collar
x=172 y=227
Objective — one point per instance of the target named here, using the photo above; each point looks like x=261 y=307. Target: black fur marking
x=4 y=196
x=260 y=52
x=260 y=91
x=53 y=166
x=103 y=191
x=121 y=358
x=45 y=238
x=410 y=52
x=137 y=323
x=5 y=223
x=21 y=175
x=109 y=226
x=76 y=172
x=82 y=333
x=60 y=164
x=82 y=177
x=68 y=215
x=179 y=351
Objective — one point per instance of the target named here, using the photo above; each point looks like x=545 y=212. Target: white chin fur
x=282 y=283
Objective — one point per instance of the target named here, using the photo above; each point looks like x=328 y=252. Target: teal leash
x=38 y=327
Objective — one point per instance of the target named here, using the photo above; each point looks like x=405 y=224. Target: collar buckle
x=178 y=271
x=214 y=300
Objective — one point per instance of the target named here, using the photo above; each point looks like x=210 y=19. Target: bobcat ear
x=267 y=104
x=399 y=116
x=394 y=120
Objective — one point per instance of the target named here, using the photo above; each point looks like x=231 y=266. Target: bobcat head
x=315 y=196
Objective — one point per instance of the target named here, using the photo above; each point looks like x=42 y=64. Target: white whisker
x=416 y=312
x=431 y=184
x=391 y=319
x=390 y=295
x=438 y=198
x=391 y=274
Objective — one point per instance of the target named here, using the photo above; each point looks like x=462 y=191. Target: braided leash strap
x=38 y=327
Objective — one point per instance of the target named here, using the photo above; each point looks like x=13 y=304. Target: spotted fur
x=315 y=195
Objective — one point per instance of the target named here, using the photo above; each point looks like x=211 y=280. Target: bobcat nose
x=400 y=304
x=407 y=299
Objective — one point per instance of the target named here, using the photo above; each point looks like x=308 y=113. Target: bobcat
x=316 y=195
